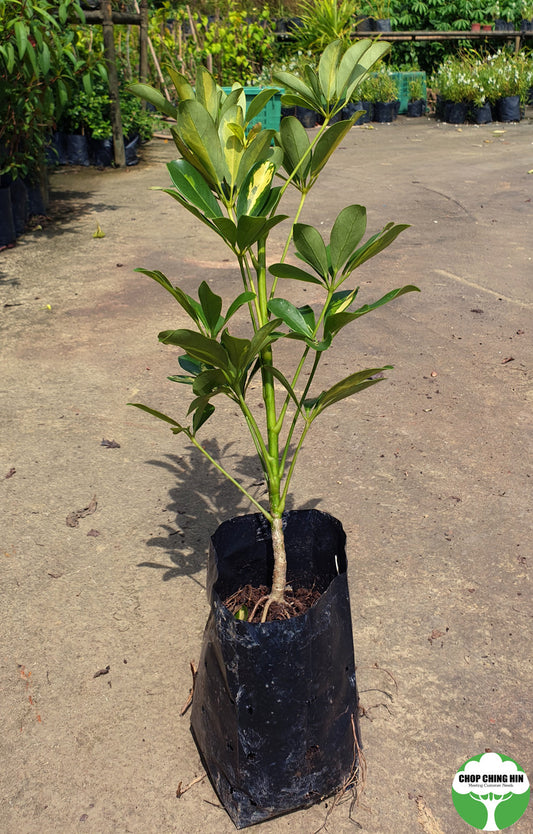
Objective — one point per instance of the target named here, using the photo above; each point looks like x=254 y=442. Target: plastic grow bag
x=19 y=205
x=7 y=227
x=77 y=149
x=508 y=109
x=274 y=711
x=480 y=114
x=385 y=111
x=101 y=152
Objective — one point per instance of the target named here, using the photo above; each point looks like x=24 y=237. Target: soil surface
x=107 y=515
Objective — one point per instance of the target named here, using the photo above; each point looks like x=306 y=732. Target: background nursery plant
x=225 y=178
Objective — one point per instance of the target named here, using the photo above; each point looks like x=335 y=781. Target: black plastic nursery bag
x=275 y=704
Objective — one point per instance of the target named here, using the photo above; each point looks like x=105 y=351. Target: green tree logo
x=490 y=792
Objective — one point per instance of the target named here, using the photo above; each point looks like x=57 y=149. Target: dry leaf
x=74 y=517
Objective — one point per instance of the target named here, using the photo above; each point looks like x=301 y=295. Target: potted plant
x=453 y=84
x=507 y=83
x=382 y=91
x=275 y=706
x=416 y=105
x=526 y=24
x=379 y=13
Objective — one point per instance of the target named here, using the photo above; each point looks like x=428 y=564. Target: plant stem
x=289 y=238
x=224 y=472
x=279 y=576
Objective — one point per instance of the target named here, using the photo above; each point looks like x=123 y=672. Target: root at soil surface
x=251 y=603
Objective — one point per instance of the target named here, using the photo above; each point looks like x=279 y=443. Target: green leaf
x=311 y=248
x=192 y=366
x=255 y=189
x=211 y=306
x=290 y=314
x=185 y=380
x=196 y=345
x=200 y=416
x=375 y=245
x=235 y=305
x=154 y=97
x=231 y=100
x=341 y=300
x=198 y=132
x=193 y=210
x=21 y=37
x=182 y=298
x=183 y=88
x=283 y=270
x=327 y=70
x=328 y=142
x=296 y=90
x=206 y=92
x=258 y=102
x=193 y=187
x=261 y=339
x=367 y=61
x=250 y=229
x=346 y=234
x=295 y=144
x=160 y=416
x=345 y=388
x=209 y=382
x=258 y=150
x=45 y=58
x=349 y=61
x=337 y=321
x=237 y=350
x=227 y=230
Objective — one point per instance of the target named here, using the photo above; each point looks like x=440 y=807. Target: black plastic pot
x=385 y=111
x=77 y=149
x=455 y=112
x=366 y=106
x=101 y=152
x=7 y=227
x=365 y=24
x=307 y=117
x=275 y=704
x=56 y=151
x=19 y=205
x=417 y=108
x=526 y=26
x=130 y=149
x=382 y=25
x=501 y=25
x=480 y=114
x=508 y=109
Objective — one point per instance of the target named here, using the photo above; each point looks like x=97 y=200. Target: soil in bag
x=274 y=711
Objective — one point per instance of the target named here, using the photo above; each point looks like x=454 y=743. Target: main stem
x=277 y=502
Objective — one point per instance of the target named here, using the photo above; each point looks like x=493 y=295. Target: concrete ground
x=430 y=473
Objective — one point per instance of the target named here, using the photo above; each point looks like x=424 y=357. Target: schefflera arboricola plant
x=227 y=177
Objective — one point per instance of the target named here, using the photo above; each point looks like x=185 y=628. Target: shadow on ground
x=201 y=500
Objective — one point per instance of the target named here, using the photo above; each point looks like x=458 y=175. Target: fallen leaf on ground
x=73 y=518
x=101 y=672
x=93 y=533
x=507 y=359
x=110 y=444
x=11 y=472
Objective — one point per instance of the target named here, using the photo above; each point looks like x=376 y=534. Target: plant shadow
x=201 y=499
